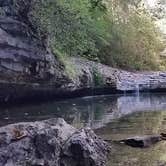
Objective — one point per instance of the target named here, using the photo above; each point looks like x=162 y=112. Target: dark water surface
x=112 y=117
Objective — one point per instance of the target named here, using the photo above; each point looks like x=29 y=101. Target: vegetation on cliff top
x=119 y=33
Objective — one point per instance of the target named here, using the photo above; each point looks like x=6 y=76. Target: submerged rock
x=50 y=143
x=142 y=142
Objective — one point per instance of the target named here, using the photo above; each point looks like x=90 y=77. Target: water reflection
x=136 y=124
x=90 y=111
x=112 y=117
x=124 y=155
x=94 y=112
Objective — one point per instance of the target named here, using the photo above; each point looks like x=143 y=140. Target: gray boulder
x=50 y=143
x=84 y=149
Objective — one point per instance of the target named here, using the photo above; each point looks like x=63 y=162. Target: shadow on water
x=112 y=117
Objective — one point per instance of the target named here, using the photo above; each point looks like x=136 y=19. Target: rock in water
x=142 y=142
x=84 y=149
x=50 y=143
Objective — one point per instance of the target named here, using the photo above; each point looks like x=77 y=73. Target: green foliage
x=71 y=25
x=116 y=32
x=135 y=42
x=97 y=77
x=69 y=67
x=2 y=12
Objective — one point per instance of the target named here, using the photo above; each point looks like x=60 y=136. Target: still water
x=112 y=117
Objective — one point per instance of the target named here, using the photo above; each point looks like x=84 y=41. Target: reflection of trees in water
x=124 y=155
x=79 y=112
x=136 y=124
x=124 y=116
x=94 y=112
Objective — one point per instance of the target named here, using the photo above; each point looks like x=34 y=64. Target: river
x=112 y=117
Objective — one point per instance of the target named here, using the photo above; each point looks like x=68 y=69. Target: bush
x=97 y=77
x=135 y=42
x=72 y=25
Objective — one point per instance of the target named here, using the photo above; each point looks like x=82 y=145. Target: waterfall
x=137 y=90
x=124 y=92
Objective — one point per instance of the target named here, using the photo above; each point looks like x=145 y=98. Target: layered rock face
x=23 y=57
x=145 y=81
x=92 y=75
x=50 y=143
x=27 y=66
x=115 y=80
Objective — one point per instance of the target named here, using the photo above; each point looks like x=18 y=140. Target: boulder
x=84 y=149
x=50 y=143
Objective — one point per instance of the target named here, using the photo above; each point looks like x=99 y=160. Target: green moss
x=69 y=67
x=97 y=77
x=71 y=25
x=2 y=12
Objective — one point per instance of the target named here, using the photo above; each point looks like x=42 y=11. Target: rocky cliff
x=28 y=69
x=26 y=63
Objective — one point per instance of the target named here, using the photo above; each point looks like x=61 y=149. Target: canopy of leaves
x=74 y=27
x=135 y=40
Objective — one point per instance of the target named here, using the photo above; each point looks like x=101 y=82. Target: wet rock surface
x=141 y=81
x=118 y=81
x=142 y=141
x=49 y=143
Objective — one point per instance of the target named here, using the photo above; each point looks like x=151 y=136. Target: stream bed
x=112 y=117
